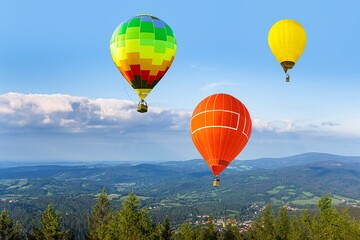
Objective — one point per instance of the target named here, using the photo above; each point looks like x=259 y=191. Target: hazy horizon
x=19 y=163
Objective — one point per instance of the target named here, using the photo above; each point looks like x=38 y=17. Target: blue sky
x=62 y=98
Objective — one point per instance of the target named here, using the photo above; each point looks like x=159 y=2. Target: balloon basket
x=287 y=77
x=216 y=182
x=142 y=107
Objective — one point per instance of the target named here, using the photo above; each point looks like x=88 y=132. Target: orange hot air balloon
x=220 y=128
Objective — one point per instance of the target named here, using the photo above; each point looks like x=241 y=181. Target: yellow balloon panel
x=142 y=92
x=132 y=45
x=287 y=40
x=147 y=52
x=169 y=54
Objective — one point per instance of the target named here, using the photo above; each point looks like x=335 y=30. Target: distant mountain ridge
x=265 y=163
x=298 y=180
x=332 y=170
x=300 y=159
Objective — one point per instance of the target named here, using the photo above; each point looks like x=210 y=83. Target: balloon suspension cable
x=287 y=77
x=129 y=97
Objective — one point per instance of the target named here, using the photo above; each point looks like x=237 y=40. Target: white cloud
x=278 y=126
x=330 y=123
x=67 y=113
x=38 y=103
x=309 y=128
x=69 y=127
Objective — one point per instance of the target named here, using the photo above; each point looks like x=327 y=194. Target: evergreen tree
x=185 y=233
x=282 y=224
x=34 y=235
x=197 y=232
x=210 y=231
x=50 y=227
x=331 y=225
x=299 y=227
x=131 y=223
x=166 y=231
x=99 y=221
x=263 y=228
x=306 y=225
x=325 y=223
x=232 y=231
x=157 y=235
x=8 y=230
x=328 y=224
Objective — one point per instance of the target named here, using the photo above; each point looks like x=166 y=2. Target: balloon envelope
x=220 y=128
x=287 y=41
x=143 y=48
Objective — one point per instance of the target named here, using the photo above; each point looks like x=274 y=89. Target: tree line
x=133 y=223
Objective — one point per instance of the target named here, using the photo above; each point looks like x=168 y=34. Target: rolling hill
x=184 y=188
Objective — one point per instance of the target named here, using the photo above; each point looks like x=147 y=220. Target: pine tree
x=232 y=231
x=50 y=227
x=282 y=224
x=99 y=221
x=210 y=231
x=307 y=225
x=166 y=231
x=185 y=233
x=8 y=230
x=330 y=224
x=300 y=227
x=326 y=226
x=263 y=228
x=197 y=232
x=132 y=223
x=34 y=235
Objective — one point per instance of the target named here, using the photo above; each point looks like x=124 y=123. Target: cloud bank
x=71 y=114
x=58 y=126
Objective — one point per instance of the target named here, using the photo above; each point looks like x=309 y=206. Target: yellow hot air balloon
x=287 y=41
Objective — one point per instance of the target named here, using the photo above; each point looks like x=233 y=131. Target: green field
x=276 y=190
x=309 y=201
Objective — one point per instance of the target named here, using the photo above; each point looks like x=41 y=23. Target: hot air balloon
x=287 y=41
x=220 y=128
x=143 y=48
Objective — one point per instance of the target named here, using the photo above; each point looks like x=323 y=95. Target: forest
x=132 y=222
x=180 y=191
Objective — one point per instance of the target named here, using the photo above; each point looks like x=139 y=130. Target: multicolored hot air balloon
x=220 y=128
x=143 y=48
x=287 y=41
